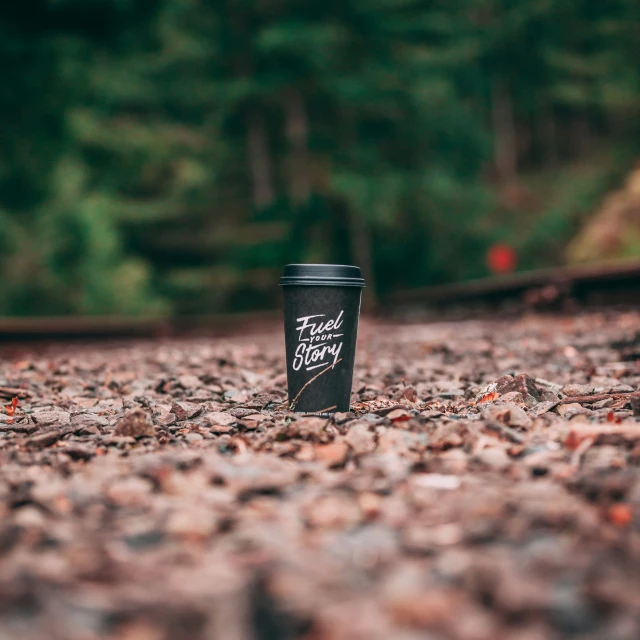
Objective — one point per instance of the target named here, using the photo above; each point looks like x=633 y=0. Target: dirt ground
x=485 y=486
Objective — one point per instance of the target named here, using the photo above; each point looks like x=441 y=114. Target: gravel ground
x=485 y=486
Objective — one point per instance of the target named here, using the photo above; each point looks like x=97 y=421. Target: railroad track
x=47 y=329
x=611 y=284
x=615 y=284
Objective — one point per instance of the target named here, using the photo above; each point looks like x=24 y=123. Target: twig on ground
x=293 y=402
x=335 y=406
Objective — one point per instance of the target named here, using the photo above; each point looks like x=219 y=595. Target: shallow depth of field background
x=169 y=156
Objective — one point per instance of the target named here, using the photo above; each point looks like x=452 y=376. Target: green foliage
x=571 y=195
x=164 y=156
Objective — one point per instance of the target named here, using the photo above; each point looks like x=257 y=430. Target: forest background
x=170 y=156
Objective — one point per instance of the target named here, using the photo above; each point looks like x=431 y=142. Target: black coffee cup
x=321 y=309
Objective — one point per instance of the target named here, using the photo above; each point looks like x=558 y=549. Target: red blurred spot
x=11 y=408
x=620 y=514
x=489 y=397
x=501 y=258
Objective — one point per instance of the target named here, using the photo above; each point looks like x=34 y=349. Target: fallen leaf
x=489 y=397
x=11 y=408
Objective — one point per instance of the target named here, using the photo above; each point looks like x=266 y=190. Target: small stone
x=360 y=438
x=430 y=414
x=189 y=381
x=422 y=539
x=191 y=524
x=251 y=377
x=308 y=428
x=493 y=458
x=252 y=421
x=131 y=491
x=539 y=461
x=446 y=436
x=135 y=424
x=570 y=612
x=79 y=452
x=220 y=428
x=305 y=453
x=604 y=457
x=400 y=441
x=573 y=409
x=193 y=436
x=543 y=407
x=572 y=390
x=219 y=418
x=87 y=430
x=343 y=416
x=333 y=454
x=241 y=412
x=516 y=594
x=451 y=394
x=423 y=608
x=510 y=414
x=453 y=461
x=119 y=441
x=513 y=397
x=436 y=481
x=30 y=517
x=85 y=403
x=236 y=396
x=622 y=388
x=166 y=419
x=447 y=534
x=48 y=418
x=399 y=415
x=185 y=410
x=521 y=383
x=332 y=511
x=370 y=504
x=256 y=417
x=410 y=394
x=547 y=395
x=416 y=539
x=90 y=422
x=43 y=440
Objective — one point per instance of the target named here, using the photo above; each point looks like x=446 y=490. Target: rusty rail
x=113 y=327
x=591 y=285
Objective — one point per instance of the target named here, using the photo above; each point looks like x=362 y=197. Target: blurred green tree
x=170 y=155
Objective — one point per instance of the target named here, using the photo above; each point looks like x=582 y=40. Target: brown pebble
x=135 y=424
